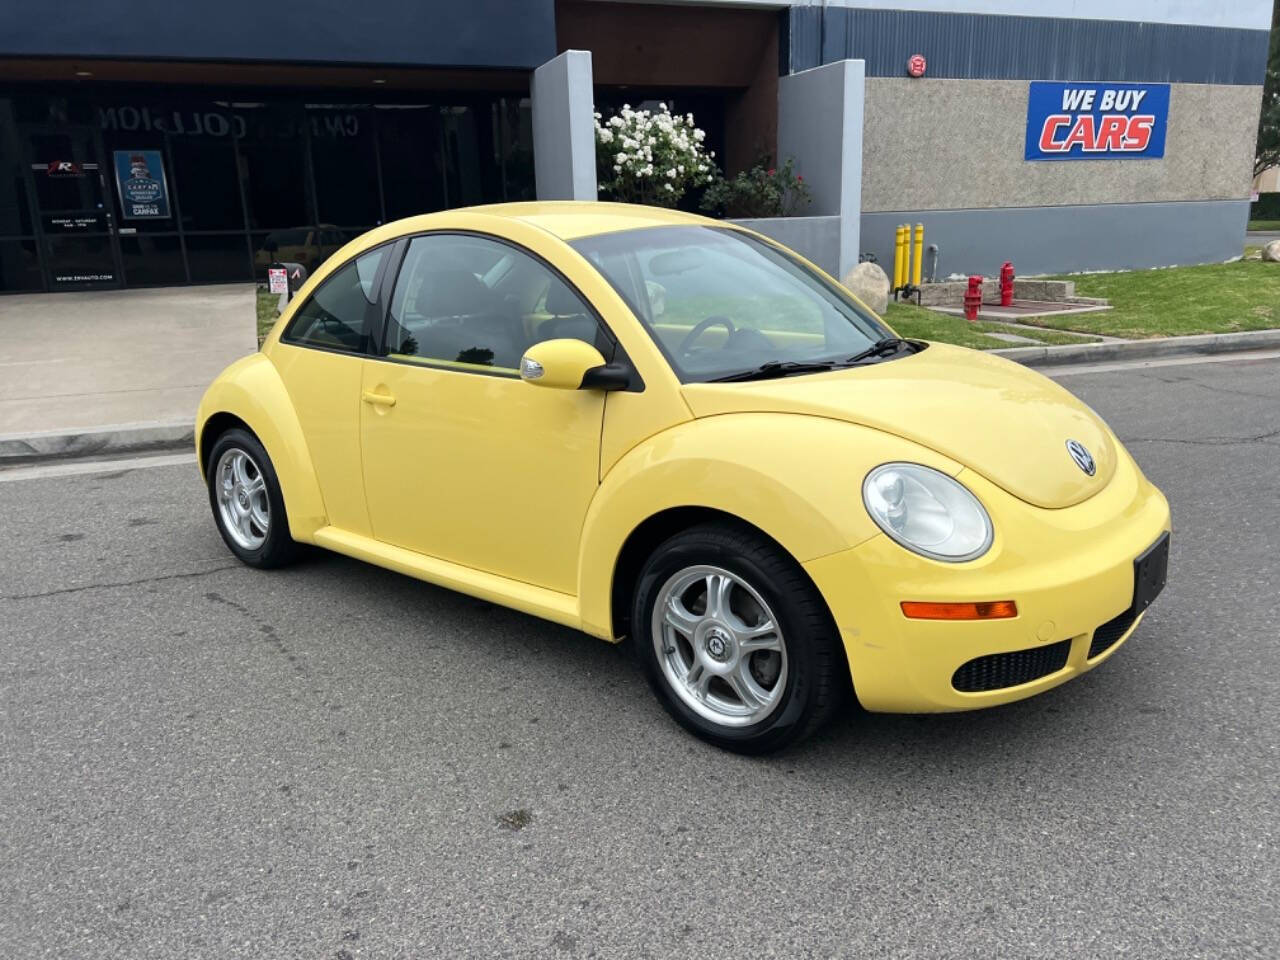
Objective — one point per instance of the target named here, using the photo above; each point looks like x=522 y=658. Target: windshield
x=719 y=302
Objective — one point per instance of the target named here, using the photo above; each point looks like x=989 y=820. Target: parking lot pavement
x=200 y=760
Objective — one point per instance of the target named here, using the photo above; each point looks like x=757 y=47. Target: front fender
x=251 y=390
x=798 y=478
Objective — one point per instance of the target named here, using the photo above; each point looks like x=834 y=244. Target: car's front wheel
x=735 y=639
x=248 y=506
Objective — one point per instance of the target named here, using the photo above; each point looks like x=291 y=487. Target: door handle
x=378 y=399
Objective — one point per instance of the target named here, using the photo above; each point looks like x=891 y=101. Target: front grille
x=999 y=670
x=1105 y=637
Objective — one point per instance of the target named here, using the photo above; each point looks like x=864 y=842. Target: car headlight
x=927 y=512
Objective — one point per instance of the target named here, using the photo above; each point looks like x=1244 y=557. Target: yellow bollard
x=897 y=255
x=906 y=254
x=917 y=256
x=900 y=258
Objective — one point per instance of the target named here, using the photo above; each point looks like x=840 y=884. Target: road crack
x=122 y=583
x=1209 y=441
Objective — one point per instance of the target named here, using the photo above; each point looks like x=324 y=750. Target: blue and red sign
x=143 y=188
x=1096 y=121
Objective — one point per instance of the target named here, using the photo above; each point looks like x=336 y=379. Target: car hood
x=996 y=417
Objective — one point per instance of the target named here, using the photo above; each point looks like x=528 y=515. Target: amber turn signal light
x=994 y=610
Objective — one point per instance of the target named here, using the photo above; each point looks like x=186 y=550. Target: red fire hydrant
x=973 y=299
x=1006 y=284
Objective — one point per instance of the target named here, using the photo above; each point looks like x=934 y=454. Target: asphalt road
x=199 y=760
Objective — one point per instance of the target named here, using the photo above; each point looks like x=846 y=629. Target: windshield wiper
x=783 y=368
x=880 y=348
x=780 y=368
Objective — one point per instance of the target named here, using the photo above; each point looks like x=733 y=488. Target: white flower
x=699 y=135
x=671 y=174
x=670 y=188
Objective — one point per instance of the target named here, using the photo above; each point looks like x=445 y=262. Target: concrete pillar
x=564 y=134
x=820 y=115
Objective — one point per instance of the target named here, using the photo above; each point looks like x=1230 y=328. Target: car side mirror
x=568 y=364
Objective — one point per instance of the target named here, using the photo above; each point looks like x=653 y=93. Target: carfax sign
x=1096 y=121
x=140 y=180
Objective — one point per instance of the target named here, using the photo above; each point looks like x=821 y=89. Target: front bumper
x=1069 y=570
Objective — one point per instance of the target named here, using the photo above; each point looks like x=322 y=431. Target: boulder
x=870 y=284
x=1272 y=251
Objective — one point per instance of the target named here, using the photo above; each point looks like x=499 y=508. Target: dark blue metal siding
x=445 y=33
x=988 y=46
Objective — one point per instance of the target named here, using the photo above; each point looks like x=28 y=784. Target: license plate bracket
x=1150 y=571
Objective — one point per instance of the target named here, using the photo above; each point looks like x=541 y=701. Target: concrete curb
x=1203 y=344
x=95 y=441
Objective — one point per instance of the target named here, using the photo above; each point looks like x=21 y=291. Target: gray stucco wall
x=817 y=239
x=564 y=146
x=1069 y=239
x=957 y=144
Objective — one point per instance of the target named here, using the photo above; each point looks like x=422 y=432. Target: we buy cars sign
x=1096 y=121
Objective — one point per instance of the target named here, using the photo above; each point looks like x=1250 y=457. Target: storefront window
x=344 y=162
x=152 y=261
x=218 y=258
x=273 y=165
x=409 y=142
x=104 y=188
x=206 y=183
x=19 y=266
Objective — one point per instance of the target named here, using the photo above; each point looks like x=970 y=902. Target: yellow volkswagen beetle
x=664 y=429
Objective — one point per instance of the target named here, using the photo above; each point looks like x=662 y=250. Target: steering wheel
x=702 y=327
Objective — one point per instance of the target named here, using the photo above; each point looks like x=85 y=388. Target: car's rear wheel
x=735 y=639
x=248 y=506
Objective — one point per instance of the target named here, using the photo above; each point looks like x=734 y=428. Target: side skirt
x=538 y=601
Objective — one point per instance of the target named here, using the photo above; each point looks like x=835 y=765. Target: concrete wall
x=820 y=124
x=1041 y=240
x=953 y=144
x=817 y=239
x=564 y=147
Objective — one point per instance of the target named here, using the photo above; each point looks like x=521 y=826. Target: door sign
x=140 y=180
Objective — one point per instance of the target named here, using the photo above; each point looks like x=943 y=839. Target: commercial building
x=144 y=143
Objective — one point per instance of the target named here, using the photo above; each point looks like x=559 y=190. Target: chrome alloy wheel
x=242 y=499
x=719 y=646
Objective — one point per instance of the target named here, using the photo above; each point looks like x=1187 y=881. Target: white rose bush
x=651 y=157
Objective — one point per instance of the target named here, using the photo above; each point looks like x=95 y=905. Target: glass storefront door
x=76 y=226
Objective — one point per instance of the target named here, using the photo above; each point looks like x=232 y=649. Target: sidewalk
x=100 y=361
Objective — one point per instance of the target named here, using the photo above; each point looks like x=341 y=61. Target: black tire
x=816 y=681
x=278 y=548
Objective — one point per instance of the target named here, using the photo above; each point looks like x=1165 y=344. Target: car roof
x=571 y=219
x=566 y=219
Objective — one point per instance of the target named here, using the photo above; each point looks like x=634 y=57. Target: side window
x=336 y=315
x=468 y=300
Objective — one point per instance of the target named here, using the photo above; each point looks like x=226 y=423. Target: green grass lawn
x=1176 y=301
x=1264 y=224
x=922 y=324
x=266 y=312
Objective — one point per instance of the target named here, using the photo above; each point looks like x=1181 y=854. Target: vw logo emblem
x=1081 y=455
